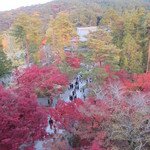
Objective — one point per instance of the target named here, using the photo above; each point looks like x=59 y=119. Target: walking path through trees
x=79 y=93
x=65 y=96
x=83 y=90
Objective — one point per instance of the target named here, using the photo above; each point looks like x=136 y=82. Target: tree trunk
x=148 y=61
x=27 y=53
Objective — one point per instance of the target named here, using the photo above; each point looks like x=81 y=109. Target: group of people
x=73 y=95
x=52 y=125
x=74 y=87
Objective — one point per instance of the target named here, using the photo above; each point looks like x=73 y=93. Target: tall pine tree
x=27 y=30
x=131 y=58
x=102 y=49
x=62 y=31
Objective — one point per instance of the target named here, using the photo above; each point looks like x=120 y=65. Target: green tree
x=131 y=22
x=147 y=45
x=27 y=29
x=135 y=25
x=5 y=64
x=102 y=49
x=115 y=24
x=131 y=58
x=61 y=30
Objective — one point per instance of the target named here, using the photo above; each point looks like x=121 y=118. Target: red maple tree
x=73 y=61
x=42 y=81
x=82 y=120
x=22 y=120
x=139 y=82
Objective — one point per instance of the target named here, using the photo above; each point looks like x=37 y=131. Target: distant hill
x=83 y=12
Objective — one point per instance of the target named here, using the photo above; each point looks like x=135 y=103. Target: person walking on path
x=76 y=83
x=50 y=123
x=75 y=97
x=70 y=97
x=72 y=86
x=73 y=93
x=49 y=102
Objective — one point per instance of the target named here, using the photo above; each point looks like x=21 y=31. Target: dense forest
x=61 y=93
x=83 y=12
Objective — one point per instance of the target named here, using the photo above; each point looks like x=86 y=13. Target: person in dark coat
x=76 y=83
x=71 y=97
x=49 y=102
x=51 y=123
x=75 y=96
x=70 y=86
x=73 y=93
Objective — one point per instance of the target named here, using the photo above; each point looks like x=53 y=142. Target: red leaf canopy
x=22 y=120
x=45 y=80
x=73 y=61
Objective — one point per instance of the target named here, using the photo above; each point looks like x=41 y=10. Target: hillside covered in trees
x=83 y=12
x=60 y=92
